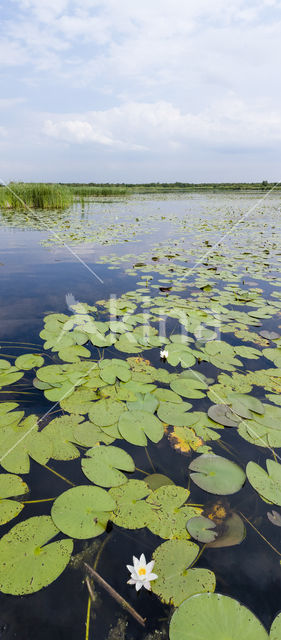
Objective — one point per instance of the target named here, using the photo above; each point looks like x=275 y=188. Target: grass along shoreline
x=22 y=195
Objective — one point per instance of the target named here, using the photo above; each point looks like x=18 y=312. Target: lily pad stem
x=58 y=474
x=198 y=556
x=259 y=533
x=149 y=460
x=88 y=611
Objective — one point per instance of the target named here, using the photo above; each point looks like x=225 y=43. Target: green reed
x=88 y=191
x=22 y=195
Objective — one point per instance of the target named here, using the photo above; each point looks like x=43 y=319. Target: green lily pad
x=20 y=442
x=104 y=464
x=27 y=562
x=73 y=353
x=212 y=616
x=221 y=414
x=79 y=402
x=267 y=484
x=106 y=412
x=179 y=354
x=168 y=516
x=83 y=512
x=10 y=486
x=174 y=414
x=269 y=335
x=188 y=387
x=176 y=581
x=216 y=474
x=145 y=402
x=156 y=480
x=29 y=361
x=200 y=528
x=137 y=426
x=89 y=435
x=132 y=512
x=166 y=395
x=113 y=369
x=275 y=631
x=60 y=432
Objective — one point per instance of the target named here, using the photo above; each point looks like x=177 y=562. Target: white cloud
x=160 y=125
x=8 y=103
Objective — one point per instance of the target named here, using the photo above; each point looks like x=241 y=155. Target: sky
x=140 y=90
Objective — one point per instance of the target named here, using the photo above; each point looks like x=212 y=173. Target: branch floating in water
x=113 y=593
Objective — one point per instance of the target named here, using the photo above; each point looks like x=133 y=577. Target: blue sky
x=140 y=90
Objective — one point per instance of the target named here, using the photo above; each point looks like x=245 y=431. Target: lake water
x=220 y=255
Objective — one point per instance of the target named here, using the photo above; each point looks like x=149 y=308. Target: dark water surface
x=37 y=272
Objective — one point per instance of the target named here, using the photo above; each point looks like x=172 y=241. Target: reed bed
x=21 y=195
x=89 y=191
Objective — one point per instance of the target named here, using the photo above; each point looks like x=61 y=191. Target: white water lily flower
x=164 y=354
x=141 y=573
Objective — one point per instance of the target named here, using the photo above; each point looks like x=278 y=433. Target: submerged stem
x=88 y=612
x=58 y=474
x=260 y=534
x=149 y=460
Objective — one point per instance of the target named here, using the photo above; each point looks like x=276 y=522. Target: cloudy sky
x=140 y=90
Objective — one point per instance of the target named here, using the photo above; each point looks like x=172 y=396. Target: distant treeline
x=122 y=187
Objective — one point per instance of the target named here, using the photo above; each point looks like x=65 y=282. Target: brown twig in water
x=113 y=593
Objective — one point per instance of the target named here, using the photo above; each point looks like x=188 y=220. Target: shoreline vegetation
x=24 y=195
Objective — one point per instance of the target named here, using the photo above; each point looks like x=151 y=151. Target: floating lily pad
x=212 y=616
x=176 y=581
x=20 y=442
x=106 y=412
x=216 y=474
x=89 y=435
x=10 y=486
x=112 y=369
x=275 y=631
x=29 y=361
x=104 y=464
x=174 y=414
x=131 y=512
x=73 y=353
x=220 y=413
x=27 y=562
x=166 y=395
x=134 y=426
x=269 y=335
x=233 y=533
x=79 y=402
x=83 y=512
x=145 y=402
x=168 y=516
x=267 y=484
x=60 y=433
x=189 y=388
x=200 y=528
x=156 y=480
